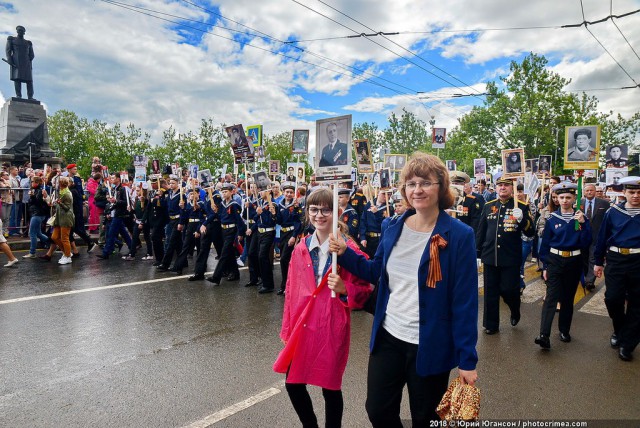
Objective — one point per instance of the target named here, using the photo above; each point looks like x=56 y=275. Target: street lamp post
x=30 y=144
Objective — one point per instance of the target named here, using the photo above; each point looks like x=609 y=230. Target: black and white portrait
x=300 y=141
x=451 y=165
x=479 y=167
x=617 y=156
x=513 y=163
x=262 y=180
x=333 y=148
x=582 y=147
x=363 y=156
x=544 y=165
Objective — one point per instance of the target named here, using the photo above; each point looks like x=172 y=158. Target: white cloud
x=112 y=64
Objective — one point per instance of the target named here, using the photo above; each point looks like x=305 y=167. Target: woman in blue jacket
x=426 y=315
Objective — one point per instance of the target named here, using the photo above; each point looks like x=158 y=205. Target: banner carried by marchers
x=438 y=138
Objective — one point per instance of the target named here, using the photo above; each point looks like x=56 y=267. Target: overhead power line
x=154 y=14
x=598 y=21
x=396 y=44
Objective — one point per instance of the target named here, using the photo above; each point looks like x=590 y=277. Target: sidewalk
x=18 y=243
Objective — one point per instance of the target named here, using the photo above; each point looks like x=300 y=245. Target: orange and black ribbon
x=435 y=271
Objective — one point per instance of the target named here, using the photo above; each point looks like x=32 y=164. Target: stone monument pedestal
x=22 y=122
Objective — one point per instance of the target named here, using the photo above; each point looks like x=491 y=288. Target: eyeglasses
x=326 y=211
x=412 y=185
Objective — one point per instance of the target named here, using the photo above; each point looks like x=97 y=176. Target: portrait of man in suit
x=594 y=208
x=335 y=151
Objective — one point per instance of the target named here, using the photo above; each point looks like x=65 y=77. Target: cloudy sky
x=287 y=63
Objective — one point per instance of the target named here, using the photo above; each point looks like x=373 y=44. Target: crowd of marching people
x=171 y=222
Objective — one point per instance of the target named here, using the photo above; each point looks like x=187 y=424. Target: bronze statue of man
x=19 y=56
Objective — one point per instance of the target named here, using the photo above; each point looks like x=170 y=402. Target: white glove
x=517 y=213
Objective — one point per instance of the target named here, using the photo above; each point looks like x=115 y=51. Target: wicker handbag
x=460 y=402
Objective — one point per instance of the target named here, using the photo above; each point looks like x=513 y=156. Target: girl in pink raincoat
x=316 y=328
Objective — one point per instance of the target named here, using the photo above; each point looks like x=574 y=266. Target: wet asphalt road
x=165 y=352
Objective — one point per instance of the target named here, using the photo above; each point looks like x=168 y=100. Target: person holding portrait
x=426 y=311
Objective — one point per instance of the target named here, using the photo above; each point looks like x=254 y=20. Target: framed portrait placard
x=274 y=167
x=295 y=172
x=363 y=156
x=438 y=138
x=582 y=147
x=545 y=165
x=395 y=162
x=480 y=167
x=333 y=149
x=243 y=151
x=262 y=180
x=451 y=165
x=513 y=163
x=300 y=141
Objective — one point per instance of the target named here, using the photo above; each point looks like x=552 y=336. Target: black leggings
x=333 y=405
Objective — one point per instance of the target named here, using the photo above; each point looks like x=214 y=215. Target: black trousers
x=136 y=239
x=285 y=256
x=500 y=281
x=333 y=405
x=157 y=237
x=588 y=261
x=175 y=244
x=252 y=242
x=265 y=254
x=227 y=261
x=392 y=364
x=372 y=246
x=622 y=279
x=188 y=242
x=203 y=254
x=215 y=229
x=79 y=229
x=563 y=276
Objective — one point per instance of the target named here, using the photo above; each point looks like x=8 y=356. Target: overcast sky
x=107 y=62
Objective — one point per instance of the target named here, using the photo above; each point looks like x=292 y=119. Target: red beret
x=71 y=165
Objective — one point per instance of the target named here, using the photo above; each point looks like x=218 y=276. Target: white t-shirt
x=402 y=319
x=323 y=255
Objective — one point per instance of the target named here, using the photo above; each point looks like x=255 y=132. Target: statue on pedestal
x=19 y=56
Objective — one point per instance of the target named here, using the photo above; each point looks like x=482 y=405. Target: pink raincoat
x=94 y=211
x=316 y=327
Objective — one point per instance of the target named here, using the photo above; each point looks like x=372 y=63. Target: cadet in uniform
x=210 y=207
x=158 y=219
x=266 y=225
x=563 y=243
x=398 y=209
x=288 y=217
x=230 y=214
x=371 y=224
x=619 y=241
x=499 y=246
x=470 y=209
x=357 y=201
x=251 y=241
x=191 y=219
x=349 y=216
x=175 y=204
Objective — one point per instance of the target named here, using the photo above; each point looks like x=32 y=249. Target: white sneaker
x=11 y=263
x=29 y=256
x=64 y=260
x=239 y=262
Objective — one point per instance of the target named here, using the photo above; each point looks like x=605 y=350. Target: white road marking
x=595 y=305
x=237 y=407
x=106 y=287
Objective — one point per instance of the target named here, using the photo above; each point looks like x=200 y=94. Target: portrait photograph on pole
x=262 y=180
x=363 y=156
x=395 y=162
x=617 y=156
x=480 y=167
x=438 y=138
x=513 y=163
x=300 y=141
x=582 y=147
x=274 y=167
x=243 y=151
x=333 y=149
x=545 y=163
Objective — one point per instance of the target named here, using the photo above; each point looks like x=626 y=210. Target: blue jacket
x=448 y=312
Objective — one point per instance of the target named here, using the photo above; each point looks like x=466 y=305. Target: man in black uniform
x=288 y=217
x=619 y=242
x=158 y=219
x=470 y=209
x=499 y=246
x=348 y=214
x=207 y=233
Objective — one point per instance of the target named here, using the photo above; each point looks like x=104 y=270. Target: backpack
x=100 y=198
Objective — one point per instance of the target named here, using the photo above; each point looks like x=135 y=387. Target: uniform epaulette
x=493 y=200
x=523 y=203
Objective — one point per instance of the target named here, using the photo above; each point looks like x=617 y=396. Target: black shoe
x=543 y=341
x=172 y=269
x=214 y=281
x=196 y=277
x=156 y=264
x=614 y=341
x=177 y=271
x=565 y=337
x=91 y=246
x=102 y=256
x=515 y=320
x=163 y=268
x=75 y=255
x=590 y=286
x=251 y=284
x=490 y=331
x=233 y=277
x=264 y=290
x=280 y=292
x=624 y=354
